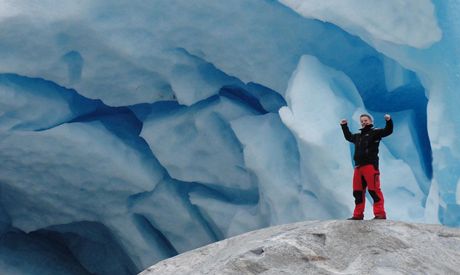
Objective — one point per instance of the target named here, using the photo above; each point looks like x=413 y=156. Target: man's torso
x=367 y=147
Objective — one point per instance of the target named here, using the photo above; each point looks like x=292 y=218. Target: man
x=366 y=172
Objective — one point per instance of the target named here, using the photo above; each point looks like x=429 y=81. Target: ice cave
x=132 y=131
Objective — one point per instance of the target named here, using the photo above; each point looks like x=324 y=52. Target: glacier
x=132 y=131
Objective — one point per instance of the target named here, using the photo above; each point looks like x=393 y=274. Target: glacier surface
x=131 y=131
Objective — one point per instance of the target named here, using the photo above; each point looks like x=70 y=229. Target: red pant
x=367 y=176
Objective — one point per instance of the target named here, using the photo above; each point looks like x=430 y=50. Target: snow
x=150 y=129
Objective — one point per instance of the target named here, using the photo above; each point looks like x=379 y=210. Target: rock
x=326 y=247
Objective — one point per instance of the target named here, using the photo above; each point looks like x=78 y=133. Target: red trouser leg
x=359 y=192
x=372 y=177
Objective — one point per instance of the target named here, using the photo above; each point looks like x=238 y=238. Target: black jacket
x=367 y=142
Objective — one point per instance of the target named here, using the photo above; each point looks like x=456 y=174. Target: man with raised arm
x=366 y=160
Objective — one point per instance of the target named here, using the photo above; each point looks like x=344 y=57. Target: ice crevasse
x=131 y=131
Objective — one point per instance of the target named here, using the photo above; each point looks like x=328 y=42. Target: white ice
x=405 y=22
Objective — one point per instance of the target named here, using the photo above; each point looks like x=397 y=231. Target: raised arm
x=388 y=127
x=346 y=132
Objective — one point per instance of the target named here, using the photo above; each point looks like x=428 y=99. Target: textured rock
x=326 y=247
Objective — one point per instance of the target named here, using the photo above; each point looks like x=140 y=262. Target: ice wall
x=430 y=51
x=146 y=129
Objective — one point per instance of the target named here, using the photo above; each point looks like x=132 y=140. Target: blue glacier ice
x=132 y=131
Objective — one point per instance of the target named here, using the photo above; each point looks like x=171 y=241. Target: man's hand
x=387 y=117
x=343 y=122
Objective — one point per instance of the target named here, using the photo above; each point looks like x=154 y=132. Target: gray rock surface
x=326 y=247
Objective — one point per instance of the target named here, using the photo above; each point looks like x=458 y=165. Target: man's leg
x=372 y=177
x=359 y=192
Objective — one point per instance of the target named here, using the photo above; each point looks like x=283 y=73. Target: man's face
x=365 y=121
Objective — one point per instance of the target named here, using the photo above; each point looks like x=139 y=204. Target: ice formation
x=131 y=131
